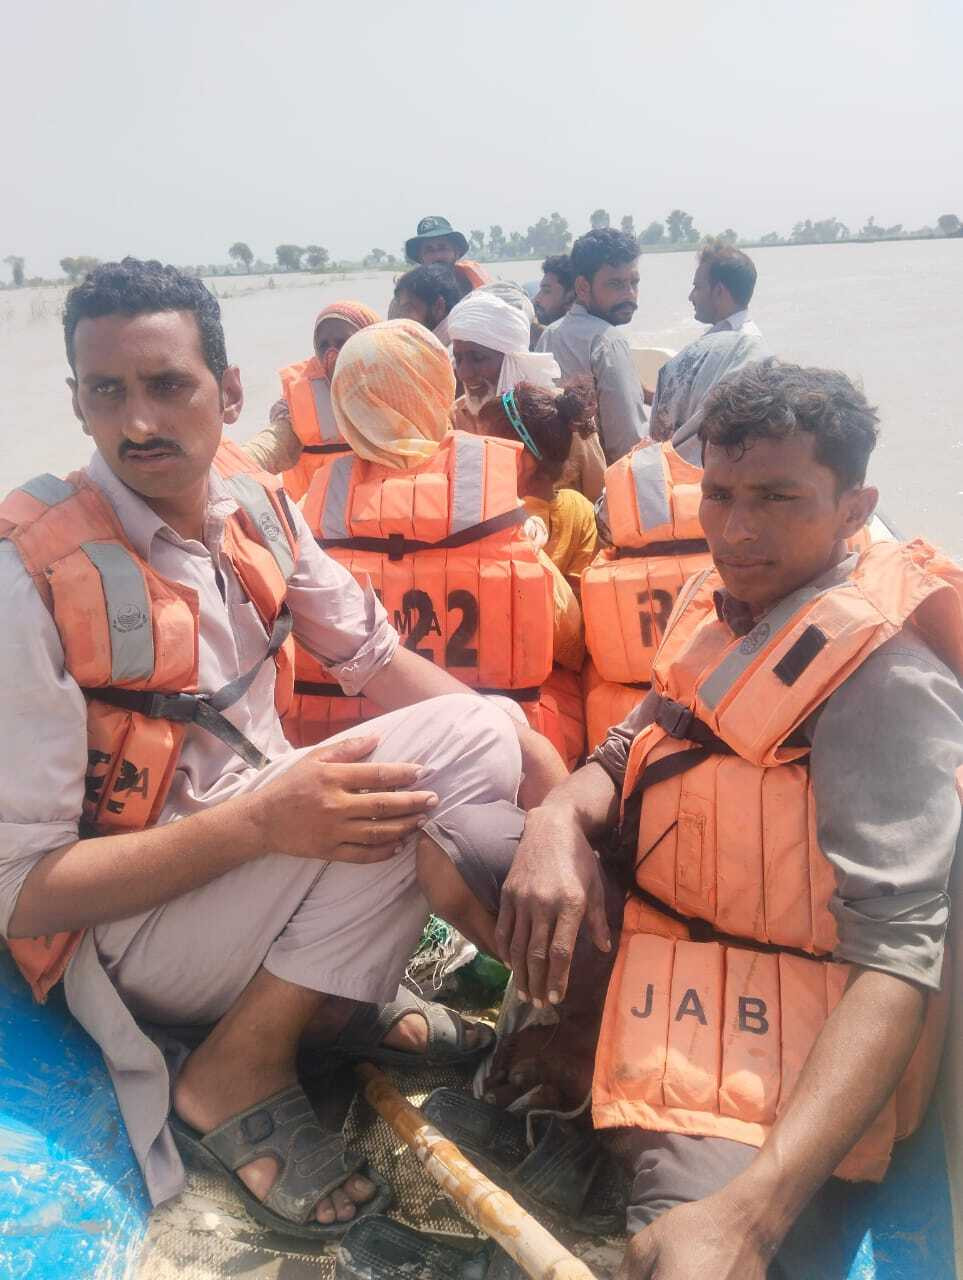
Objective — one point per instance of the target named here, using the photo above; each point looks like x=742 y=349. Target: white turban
x=492 y=323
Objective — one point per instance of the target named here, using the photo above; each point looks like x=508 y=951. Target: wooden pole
x=524 y=1238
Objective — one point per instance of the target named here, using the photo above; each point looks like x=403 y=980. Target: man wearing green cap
x=436 y=241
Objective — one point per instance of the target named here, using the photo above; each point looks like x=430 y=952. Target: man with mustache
x=585 y=341
x=164 y=849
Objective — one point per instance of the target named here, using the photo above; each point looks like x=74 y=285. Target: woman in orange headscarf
x=303 y=435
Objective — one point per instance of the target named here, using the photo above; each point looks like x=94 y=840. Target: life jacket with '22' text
x=725 y=977
x=130 y=640
x=443 y=548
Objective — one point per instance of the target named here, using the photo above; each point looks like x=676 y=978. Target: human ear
x=856 y=506
x=75 y=402
x=232 y=395
x=583 y=289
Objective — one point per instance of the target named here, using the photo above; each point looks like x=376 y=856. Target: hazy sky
x=172 y=129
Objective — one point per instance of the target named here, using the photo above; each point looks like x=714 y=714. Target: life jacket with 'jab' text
x=442 y=546
x=130 y=639
x=725 y=977
x=308 y=395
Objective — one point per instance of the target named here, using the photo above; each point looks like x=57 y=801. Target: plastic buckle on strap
x=396 y=546
x=674 y=718
x=179 y=707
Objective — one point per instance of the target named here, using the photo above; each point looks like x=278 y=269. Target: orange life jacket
x=130 y=640
x=473 y=272
x=308 y=395
x=703 y=1035
x=606 y=703
x=441 y=544
x=628 y=590
x=560 y=715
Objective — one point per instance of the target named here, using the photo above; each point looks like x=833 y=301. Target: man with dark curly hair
x=605 y=272
x=784 y=806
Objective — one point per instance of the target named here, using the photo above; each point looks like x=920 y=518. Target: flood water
x=888 y=314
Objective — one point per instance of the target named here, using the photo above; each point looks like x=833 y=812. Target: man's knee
x=490 y=736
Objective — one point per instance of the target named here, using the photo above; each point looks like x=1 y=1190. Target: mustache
x=128 y=447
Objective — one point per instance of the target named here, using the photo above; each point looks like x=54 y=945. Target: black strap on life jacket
x=338 y=446
x=679 y=721
x=681 y=547
x=396 y=545
x=203 y=709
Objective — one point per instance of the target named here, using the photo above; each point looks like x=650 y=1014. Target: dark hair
x=428 y=284
x=559 y=265
x=134 y=288
x=550 y=418
x=774 y=401
x=730 y=267
x=605 y=247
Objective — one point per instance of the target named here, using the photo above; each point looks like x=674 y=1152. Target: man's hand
x=707 y=1240
x=553 y=885
x=330 y=806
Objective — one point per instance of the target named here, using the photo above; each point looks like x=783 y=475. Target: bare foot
x=208 y=1091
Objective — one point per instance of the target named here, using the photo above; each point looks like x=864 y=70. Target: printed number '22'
x=457 y=651
x=655 y=605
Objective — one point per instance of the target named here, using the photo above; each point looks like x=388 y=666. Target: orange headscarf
x=355 y=313
x=392 y=393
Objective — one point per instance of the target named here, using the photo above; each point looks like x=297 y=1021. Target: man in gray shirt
x=783 y=489
x=585 y=341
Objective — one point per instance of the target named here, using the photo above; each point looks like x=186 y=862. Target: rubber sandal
x=361 y=1036
x=381 y=1249
x=549 y=1165
x=311 y=1163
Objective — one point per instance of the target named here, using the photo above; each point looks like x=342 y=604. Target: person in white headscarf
x=489 y=360
x=490 y=342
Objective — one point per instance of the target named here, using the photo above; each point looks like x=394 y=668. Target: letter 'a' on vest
x=628 y=591
x=703 y=1035
x=308 y=395
x=481 y=609
x=125 y=629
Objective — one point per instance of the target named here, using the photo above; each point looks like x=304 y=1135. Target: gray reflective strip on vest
x=251 y=496
x=651 y=495
x=128 y=611
x=716 y=685
x=321 y=390
x=48 y=489
x=334 y=517
x=468 y=478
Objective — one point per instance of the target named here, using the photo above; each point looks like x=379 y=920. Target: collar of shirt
x=581 y=314
x=735 y=321
x=738 y=616
x=142 y=525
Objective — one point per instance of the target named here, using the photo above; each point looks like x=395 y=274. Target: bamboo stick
x=535 y=1250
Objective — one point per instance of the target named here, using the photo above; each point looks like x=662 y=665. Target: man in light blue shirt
x=605 y=264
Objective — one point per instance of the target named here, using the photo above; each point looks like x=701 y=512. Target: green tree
x=241 y=253
x=599 y=219
x=653 y=233
x=317 y=258
x=561 y=237
x=477 y=241
x=870 y=230
x=948 y=223
x=375 y=258
x=680 y=228
x=289 y=256
x=74 y=268
x=729 y=236
x=771 y=237
x=628 y=224
x=496 y=242
x=16 y=265
x=518 y=245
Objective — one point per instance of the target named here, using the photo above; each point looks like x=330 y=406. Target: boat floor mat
x=206 y=1234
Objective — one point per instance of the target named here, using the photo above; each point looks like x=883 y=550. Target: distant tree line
x=545 y=237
